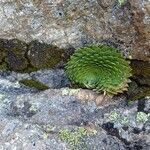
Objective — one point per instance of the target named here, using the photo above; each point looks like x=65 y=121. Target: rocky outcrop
x=75 y=23
x=57 y=119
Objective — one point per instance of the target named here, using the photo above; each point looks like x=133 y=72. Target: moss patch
x=42 y=55
x=15 y=54
x=28 y=57
x=34 y=84
x=3 y=67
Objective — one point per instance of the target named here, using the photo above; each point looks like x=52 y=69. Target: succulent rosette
x=99 y=67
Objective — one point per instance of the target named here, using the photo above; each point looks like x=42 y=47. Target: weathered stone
x=35 y=120
x=72 y=23
x=130 y=27
x=141 y=23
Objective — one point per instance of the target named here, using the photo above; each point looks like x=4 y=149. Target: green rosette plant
x=99 y=67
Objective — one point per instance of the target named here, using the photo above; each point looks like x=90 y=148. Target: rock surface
x=73 y=23
x=62 y=118
x=66 y=119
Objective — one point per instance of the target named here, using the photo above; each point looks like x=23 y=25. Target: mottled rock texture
x=73 y=23
x=35 y=121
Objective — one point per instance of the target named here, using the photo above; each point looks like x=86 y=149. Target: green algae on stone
x=16 y=63
x=2 y=55
x=42 y=55
x=2 y=51
x=141 y=93
x=143 y=80
x=29 y=69
x=34 y=84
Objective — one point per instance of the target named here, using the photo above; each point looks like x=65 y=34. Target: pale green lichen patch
x=68 y=91
x=142 y=117
x=73 y=138
x=121 y=2
x=33 y=108
x=7 y=83
x=2 y=97
x=117 y=117
x=49 y=128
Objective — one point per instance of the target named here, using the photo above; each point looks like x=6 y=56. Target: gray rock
x=30 y=119
x=34 y=121
x=73 y=23
x=14 y=87
x=53 y=78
